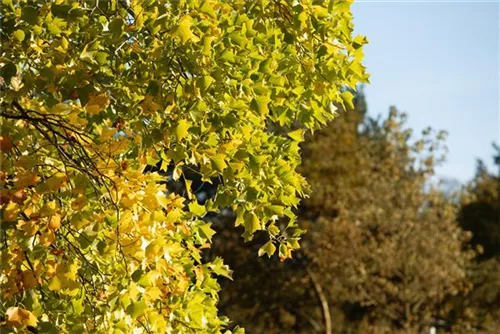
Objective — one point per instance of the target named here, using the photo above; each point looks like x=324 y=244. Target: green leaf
x=218 y=162
x=136 y=309
x=136 y=275
x=240 y=217
x=116 y=27
x=252 y=223
x=268 y=248
x=273 y=230
x=228 y=55
x=207 y=82
x=87 y=55
x=259 y=104
x=101 y=57
x=55 y=26
x=277 y=209
x=206 y=231
x=30 y=14
x=220 y=268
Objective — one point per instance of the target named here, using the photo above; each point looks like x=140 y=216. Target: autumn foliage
x=102 y=101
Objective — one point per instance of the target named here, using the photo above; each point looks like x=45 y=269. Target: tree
x=96 y=93
x=384 y=252
x=479 y=312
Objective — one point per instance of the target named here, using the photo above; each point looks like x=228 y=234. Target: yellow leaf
x=107 y=134
x=10 y=212
x=162 y=199
x=19 y=35
x=55 y=222
x=48 y=209
x=188 y=188
x=173 y=216
x=158 y=216
x=27 y=180
x=18 y=317
x=56 y=181
x=297 y=135
x=184 y=32
x=128 y=200
x=28 y=227
x=148 y=105
x=28 y=279
x=97 y=103
x=59 y=109
x=47 y=238
x=153 y=293
x=181 y=131
x=55 y=284
x=78 y=203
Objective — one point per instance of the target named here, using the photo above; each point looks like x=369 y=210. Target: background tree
x=97 y=93
x=480 y=213
x=382 y=253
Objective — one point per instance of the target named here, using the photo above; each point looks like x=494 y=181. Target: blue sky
x=438 y=62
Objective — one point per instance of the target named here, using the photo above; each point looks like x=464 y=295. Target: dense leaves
x=95 y=93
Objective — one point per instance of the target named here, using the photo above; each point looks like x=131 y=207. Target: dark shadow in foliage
x=481 y=216
x=202 y=190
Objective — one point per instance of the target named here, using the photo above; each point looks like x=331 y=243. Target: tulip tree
x=94 y=92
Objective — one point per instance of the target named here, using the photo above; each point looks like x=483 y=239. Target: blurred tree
x=480 y=213
x=381 y=255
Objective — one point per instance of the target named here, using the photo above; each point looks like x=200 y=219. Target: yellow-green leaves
x=113 y=115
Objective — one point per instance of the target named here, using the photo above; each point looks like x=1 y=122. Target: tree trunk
x=324 y=302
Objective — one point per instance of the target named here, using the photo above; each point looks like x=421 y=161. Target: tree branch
x=324 y=302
